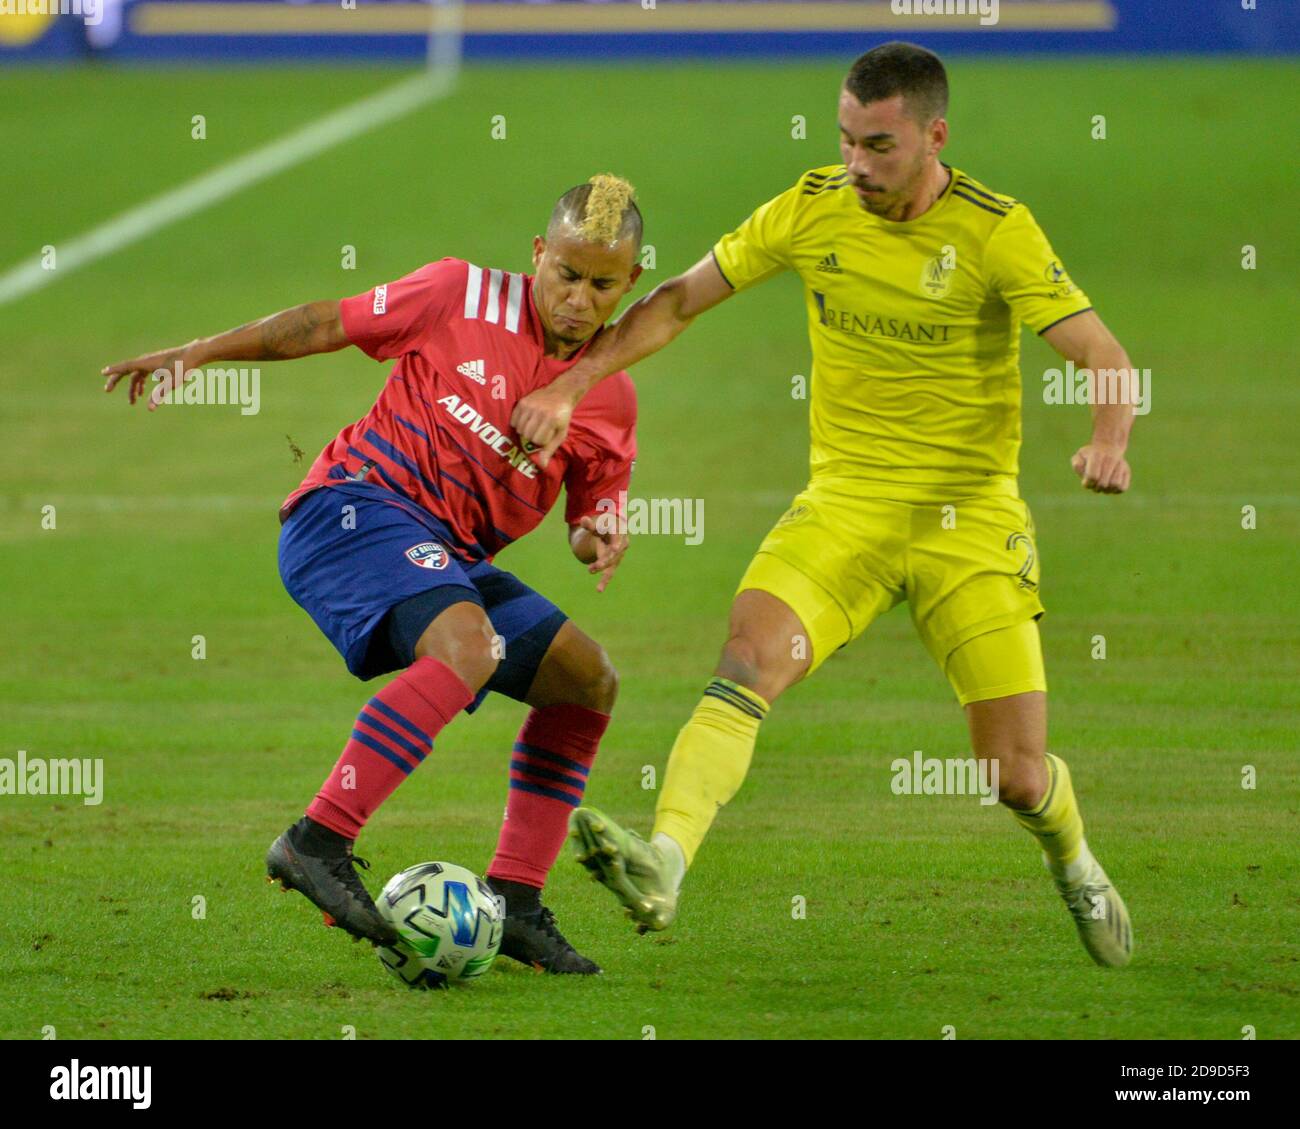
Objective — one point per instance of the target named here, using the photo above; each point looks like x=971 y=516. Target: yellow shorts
x=967 y=570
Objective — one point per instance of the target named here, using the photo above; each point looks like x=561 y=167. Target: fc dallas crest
x=428 y=554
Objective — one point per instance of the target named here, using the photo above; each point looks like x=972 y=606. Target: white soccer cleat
x=1097 y=909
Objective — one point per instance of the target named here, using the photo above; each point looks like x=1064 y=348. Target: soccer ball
x=449 y=921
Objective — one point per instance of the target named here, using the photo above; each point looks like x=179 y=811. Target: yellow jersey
x=915 y=329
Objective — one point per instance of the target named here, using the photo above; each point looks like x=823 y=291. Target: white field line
x=216 y=185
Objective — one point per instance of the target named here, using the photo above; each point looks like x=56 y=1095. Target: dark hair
x=901 y=68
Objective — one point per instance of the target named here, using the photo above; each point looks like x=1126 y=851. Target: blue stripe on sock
x=387 y=754
x=553 y=793
x=390 y=713
x=554 y=758
x=547 y=774
x=397 y=739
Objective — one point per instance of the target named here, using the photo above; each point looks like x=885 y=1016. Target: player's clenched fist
x=1102 y=468
x=541 y=420
x=141 y=369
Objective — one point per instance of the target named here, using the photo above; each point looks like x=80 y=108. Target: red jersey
x=469 y=344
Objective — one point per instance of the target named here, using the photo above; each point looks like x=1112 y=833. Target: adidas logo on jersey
x=830 y=264
x=474 y=370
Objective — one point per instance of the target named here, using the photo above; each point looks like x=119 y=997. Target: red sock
x=393 y=734
x=548 y=774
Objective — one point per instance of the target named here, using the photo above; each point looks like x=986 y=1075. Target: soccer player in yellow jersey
x=917 y=281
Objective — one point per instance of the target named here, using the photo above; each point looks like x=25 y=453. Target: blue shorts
x=373 y=571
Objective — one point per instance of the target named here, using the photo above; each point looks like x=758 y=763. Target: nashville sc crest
x=937 y=274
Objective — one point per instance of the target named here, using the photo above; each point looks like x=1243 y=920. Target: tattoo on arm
x=290 y=334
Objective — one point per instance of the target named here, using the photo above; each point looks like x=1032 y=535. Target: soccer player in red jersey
x=389 y=540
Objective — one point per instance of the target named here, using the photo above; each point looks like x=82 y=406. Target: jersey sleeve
x=759 y=247
x=389 y=320
x=602 y=450
x=1025 y=272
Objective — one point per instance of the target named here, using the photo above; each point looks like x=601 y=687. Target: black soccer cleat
x=333 y=886
x=532 y=938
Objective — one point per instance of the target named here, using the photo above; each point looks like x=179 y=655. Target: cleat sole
x=602 y=859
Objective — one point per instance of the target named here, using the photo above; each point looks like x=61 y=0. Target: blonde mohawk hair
x=601 y=211
x=610 y=196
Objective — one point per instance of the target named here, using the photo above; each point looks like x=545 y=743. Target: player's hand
x=140 y=370
x=541 y=420
x=1102 y=467
x=610 y=547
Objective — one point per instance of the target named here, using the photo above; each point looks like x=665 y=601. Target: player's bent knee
x=767 y=646
x=1021 y=783
x=757 y=665
x=601 y=690
x=596 y=687
x=463 y=638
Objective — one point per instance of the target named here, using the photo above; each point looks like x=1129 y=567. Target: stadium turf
x=147 y=914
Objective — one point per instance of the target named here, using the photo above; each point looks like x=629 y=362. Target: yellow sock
x=708 y=762
x=1055 y=822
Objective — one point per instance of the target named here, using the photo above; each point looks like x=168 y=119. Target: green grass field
x=921 y=912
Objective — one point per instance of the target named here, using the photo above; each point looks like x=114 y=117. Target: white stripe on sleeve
x=514 y=300
x=493 y=313
x=473 y=288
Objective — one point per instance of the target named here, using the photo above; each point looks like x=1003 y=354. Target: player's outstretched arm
x=300 y=332
x=541 y=419
x=1085 y=340
x=600 y=545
